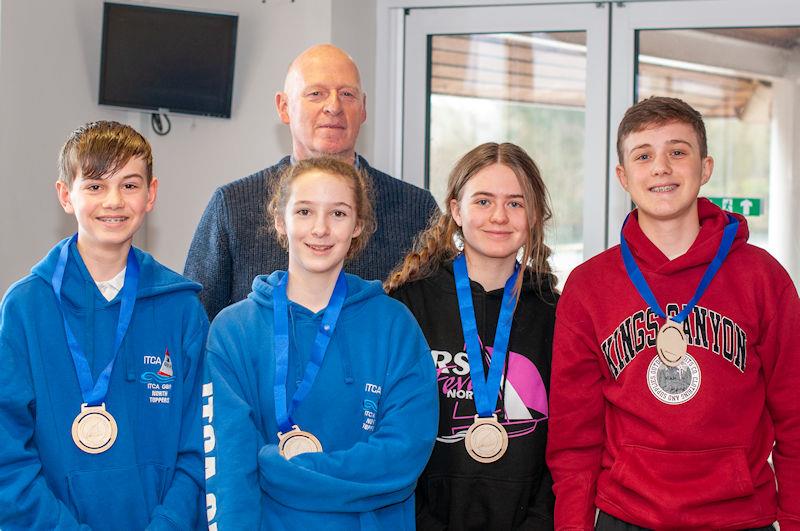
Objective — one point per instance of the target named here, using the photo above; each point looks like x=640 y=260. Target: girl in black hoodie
x=488 y=467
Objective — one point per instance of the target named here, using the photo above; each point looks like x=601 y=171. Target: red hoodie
x=686 y=447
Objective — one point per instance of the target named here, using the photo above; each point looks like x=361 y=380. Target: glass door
x=738 y=63
x=532 y=75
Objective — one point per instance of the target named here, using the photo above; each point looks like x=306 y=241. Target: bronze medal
x=486 y=440
x=296 y=442
x=671 y=343
x=94 y=430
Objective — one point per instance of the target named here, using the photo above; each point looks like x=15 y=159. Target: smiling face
x=662 y=169
x=319 y=223
x=323 y=104
x=111 y=208
x=492 y=217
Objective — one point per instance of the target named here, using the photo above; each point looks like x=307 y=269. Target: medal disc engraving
x=671 y=343
x=94 y=430
x=296 y=442
x=486 y=440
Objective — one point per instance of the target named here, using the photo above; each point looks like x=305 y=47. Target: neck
x=311 y=290
x=672 y=237
x=104 y=263
x=346 y=156
x=490 y=273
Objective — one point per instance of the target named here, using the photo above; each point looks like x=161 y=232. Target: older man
x=324 y=107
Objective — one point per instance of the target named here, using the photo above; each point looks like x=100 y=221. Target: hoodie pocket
x=694 y=484
x=117 y=498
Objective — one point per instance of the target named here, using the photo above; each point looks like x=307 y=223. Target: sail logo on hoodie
x=158 y=382
x=703 y=328
x=523 y=396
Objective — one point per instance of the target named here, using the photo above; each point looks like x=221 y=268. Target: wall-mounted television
x=155 y=58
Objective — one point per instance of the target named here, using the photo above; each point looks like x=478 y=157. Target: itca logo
x=159 y=383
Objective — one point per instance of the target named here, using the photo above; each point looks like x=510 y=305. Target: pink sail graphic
x=524 y=399
x=524 y=389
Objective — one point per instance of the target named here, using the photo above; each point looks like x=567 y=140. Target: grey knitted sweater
x=233 y=242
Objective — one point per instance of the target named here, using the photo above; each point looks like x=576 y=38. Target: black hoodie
x=455 y=492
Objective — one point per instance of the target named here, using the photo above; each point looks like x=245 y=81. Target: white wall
x=49 y=68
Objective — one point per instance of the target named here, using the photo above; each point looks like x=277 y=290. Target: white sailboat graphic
x=166 y=366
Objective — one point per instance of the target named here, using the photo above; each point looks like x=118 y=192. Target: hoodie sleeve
x=231 y=441
x=181 y=506
x=26 y=501
x=382 y=470
x=576 y=425
x=209 y=260
x=779 y=351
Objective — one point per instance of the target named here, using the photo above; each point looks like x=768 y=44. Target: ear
x=63 y=197
x=280 y=225
x=621 y=177
x=152 y=192
x=455 y=211
x=364 y=109
x=708 y=168
x=282 y=106
x=358 y=229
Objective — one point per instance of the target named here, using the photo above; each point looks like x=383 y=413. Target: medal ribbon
x=485 y=388
x=95 y=394
x=643 y=288
x=283 y=416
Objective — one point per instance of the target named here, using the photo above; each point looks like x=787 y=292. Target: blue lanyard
x=643 y=288
x=484 y=388
x=95 y=393
x=283 y=416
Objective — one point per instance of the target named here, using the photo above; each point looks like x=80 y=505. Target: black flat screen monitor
x=155 y=58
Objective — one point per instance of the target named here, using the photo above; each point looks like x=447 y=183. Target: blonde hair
x=437 y=243
x=358 y=180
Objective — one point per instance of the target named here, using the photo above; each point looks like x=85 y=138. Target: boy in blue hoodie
x=101 y=348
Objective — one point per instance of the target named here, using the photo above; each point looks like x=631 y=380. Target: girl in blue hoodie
x=320 y=407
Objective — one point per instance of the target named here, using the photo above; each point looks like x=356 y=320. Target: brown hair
x=660 y=110
x=437 y=244
x=102 y=147
x=358 y=180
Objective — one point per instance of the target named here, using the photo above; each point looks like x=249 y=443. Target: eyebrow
x=490 y=194
x=672 y=142
x=324 y=87
x=106 y=177
x=338 y=204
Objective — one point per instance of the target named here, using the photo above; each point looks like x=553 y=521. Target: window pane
x=525 y=88
x=739 y=105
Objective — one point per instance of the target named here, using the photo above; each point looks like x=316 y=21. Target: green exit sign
x=747 y=206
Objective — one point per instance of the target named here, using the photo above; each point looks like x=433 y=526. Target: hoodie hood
x=713 y=221
x=538 y=286
x=358 y=290
x=154 y=279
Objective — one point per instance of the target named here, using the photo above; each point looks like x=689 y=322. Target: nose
x=499 y=214
x=333 y=104
x=113 y=198
x=320 y=227
x=661 y=165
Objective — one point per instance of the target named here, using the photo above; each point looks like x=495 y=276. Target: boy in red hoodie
x=676 y=358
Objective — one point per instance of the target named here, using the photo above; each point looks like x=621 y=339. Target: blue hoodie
x=153 y=474
x=373 y=407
